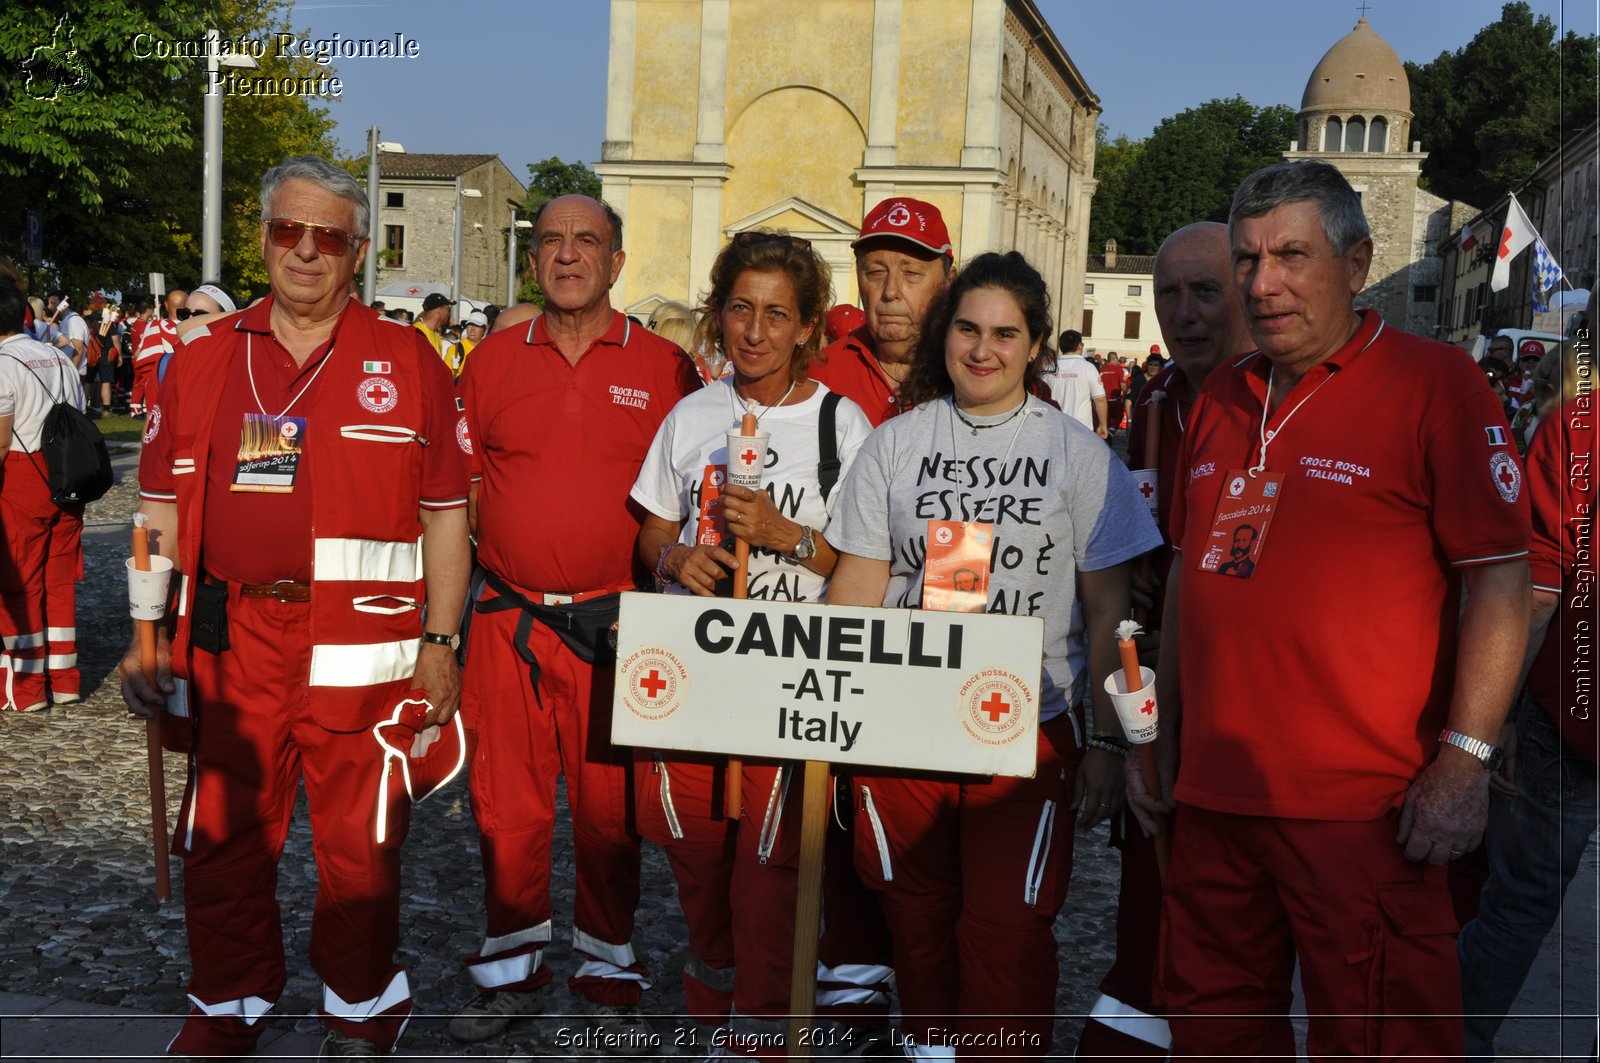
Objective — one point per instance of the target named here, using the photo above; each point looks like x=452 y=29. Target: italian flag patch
x=376 y=367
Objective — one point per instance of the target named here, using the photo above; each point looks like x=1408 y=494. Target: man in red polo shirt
x=1203 y=324
x=561 y=415
x=903 y=262
x=1336 y=717
x=300 y=470
x=1114 y=378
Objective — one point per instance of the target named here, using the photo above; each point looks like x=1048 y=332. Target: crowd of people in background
x=418 y=579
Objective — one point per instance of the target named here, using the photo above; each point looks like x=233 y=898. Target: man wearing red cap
x=903 y=261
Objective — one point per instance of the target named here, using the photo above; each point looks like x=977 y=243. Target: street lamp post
x=211 y=199
x=511 y=251
x=455 y=278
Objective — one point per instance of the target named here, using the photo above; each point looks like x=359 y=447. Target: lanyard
x=250 y=371
x=1266 y=437
x=1021 y=415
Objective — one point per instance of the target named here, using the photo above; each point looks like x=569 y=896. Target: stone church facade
x=728 y=115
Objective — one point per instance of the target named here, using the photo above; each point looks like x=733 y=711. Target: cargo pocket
x=1414 y=938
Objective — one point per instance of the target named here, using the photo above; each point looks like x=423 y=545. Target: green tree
x=1191 y=164
x=103 y=138
x=1494 y=109
x=547 y=180
x=1114 y=160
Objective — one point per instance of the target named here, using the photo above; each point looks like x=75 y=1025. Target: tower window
x=1378 y=135
x=1331 y=134
x=1355 y=135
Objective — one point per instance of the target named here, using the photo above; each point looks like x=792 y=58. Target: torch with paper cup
x=747 y=457
x=1133 y=695
x=148 y=580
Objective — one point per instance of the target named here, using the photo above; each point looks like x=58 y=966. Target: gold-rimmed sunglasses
x=287 y=232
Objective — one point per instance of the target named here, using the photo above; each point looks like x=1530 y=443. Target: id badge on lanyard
x=1239 y=526
x=270 y=449
x=955 y=573
x=711 y=530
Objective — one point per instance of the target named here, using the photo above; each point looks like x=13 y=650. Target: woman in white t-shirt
x=737 y=877
x=979 y=475
x=43 y=541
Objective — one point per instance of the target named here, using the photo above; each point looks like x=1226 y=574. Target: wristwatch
x=453 y=641
x=806 y=548
x=1491 y=756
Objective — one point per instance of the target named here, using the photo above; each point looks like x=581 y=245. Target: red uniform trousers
x=519 y=747
x=971 y=876
x=38 y=589
x=145 y=386
x=1374 y=932
x=1125 y=1022
x=254 y=739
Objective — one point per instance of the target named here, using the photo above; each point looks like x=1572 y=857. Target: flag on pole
x=1517 y=234
x=1469 y=239
x=1546 y=272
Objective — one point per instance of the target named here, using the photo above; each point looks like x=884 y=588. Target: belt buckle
x=558 y=599
x=282 y=589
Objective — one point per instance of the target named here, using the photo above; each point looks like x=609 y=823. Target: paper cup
x=747 y=456
x=147 y=591
x=1145 y=480
x=1137 y=710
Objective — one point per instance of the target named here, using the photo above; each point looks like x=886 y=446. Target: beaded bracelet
x=1107 y=747
x=662 y=578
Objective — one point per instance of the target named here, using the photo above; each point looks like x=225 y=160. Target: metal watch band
x=440 y=640
x=1467 y=744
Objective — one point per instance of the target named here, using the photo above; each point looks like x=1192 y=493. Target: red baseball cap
x=843 y=318
x=1530 y=349
x=910 y=220
x=428 y=756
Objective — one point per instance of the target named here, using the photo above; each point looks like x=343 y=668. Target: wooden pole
x=733 y=790
x=808 y=907
x=152 y=733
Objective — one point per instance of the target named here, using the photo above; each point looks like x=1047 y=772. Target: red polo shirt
x=556 y=448
x=1563 y=463
x=1317 y=687
x=847 y=366
x=258 y=537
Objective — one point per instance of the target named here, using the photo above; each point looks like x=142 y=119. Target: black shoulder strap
x=828 y=445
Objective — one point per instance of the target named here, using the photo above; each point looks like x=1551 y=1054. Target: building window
x=394 y=246
x=1130 y=325
x=1355 y=134
x=1135 y=290
x=1424 y=293
x=1331 y=134
x=394 y=199
x=1088 y=322
x=1378 y=135
x=1088 y=287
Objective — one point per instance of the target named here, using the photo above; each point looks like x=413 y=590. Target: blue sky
x=526 y=79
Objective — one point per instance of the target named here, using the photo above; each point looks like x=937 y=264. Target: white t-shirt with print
x=1074 y=386
x=694 y=436
x=34 y=377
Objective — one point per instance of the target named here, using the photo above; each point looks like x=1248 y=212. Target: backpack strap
x=828 y=444
x=14 y=434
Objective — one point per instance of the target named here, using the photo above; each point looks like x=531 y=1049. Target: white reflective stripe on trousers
x=398 y=991
x=1126 y=1019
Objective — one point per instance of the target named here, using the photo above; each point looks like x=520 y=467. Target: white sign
x=895 y=688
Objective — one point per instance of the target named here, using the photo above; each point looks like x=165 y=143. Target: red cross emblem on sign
x=995 y=707
x=749 y=456
x=653 y=684
x=378 y=394
x=413 y=290
x=1149 y=707
x=1146 y=490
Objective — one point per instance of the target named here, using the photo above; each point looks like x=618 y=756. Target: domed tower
x=1358 y=99
x=1356 y=114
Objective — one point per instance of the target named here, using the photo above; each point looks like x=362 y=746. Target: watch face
x=1494 y=760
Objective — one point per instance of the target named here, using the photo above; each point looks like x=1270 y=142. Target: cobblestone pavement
x=76 y=873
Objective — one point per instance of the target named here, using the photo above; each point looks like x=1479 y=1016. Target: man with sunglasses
x=561 y=415
x=304 y=470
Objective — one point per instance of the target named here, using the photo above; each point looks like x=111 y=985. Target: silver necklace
x=976 y=427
